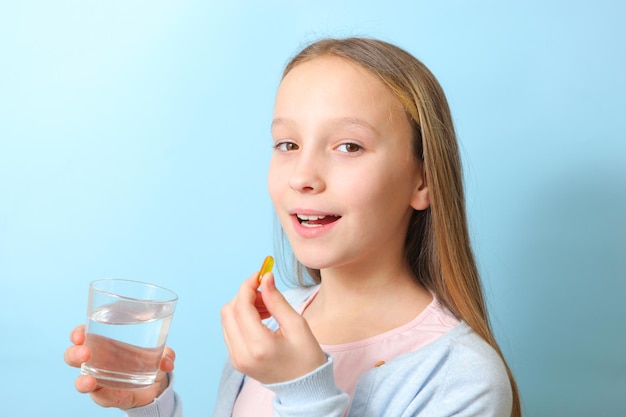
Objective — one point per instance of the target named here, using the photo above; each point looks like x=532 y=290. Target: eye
x=286 y=146
x=349 y=148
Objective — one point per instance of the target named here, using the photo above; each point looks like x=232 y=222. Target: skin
x=78 y=353
x=341 y=149
x=267 y=356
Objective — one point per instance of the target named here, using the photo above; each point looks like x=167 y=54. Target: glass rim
x=173 y=298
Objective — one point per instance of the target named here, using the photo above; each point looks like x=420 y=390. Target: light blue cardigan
x=458 y=374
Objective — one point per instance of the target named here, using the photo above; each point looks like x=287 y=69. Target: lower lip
x=310 y=232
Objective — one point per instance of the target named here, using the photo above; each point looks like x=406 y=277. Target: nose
x=307 y=174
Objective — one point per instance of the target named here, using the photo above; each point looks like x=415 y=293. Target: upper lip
x=311 y=213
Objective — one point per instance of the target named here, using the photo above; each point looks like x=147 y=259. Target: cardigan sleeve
x=166 y=405
x=313 y=394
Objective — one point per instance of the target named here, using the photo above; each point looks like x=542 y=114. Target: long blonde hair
x=437 y=248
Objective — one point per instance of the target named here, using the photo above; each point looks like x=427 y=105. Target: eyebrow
x=340 y=121
x=279 y=122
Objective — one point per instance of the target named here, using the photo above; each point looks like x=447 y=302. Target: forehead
x=331 y=86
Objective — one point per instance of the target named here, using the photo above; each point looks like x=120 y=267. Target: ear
x=420 y=200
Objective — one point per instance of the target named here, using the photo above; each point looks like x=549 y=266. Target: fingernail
x=271 y=284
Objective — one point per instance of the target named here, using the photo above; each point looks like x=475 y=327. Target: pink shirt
x=351 y=360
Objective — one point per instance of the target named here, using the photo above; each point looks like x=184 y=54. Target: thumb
x=276 y=303
x=300 y=349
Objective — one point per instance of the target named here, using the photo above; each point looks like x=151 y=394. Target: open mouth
x=316 y=221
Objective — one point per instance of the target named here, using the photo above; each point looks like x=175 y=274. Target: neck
x=389 y=288
x=374 y=299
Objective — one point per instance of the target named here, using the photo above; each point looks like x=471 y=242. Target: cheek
x=381 y=196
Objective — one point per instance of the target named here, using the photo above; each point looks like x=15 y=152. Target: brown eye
x=349 y=148
x=286 y=146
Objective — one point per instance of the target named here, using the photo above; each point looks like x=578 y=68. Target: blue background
x=134 y=140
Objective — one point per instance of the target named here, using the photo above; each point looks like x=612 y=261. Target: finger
x=253 y=282
x=243 y=330
x=246 y=337
x=161 y=383
x=167 y=361
x=245 y=311
x=233 y=336
x=259 y=304
x=105 y=397
x=292 y=329
x=78 y=335
x=167 y=365
x=277 y=305
x=76 y=355
x=85 y=384
x=169 y=352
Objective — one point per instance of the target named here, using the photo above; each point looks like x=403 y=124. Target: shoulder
x=457 y=374
x=472 y=378
x=471 y=359
x=475 y=377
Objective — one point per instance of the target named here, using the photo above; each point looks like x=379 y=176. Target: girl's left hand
x=78 y=353
x=265 y=355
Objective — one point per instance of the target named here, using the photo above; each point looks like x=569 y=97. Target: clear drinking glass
x=127 y=327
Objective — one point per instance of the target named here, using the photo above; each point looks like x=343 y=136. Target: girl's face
x=343 y=178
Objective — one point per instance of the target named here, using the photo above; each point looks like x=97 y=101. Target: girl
x=389 y=319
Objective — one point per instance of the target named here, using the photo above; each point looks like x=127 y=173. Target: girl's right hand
x=107 y=397
x=255 y=350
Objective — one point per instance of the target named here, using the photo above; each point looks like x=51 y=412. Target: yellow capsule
x=268 y=264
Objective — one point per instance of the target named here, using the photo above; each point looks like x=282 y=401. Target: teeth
x=305 y=218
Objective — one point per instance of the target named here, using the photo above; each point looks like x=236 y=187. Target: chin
x=312 y=260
